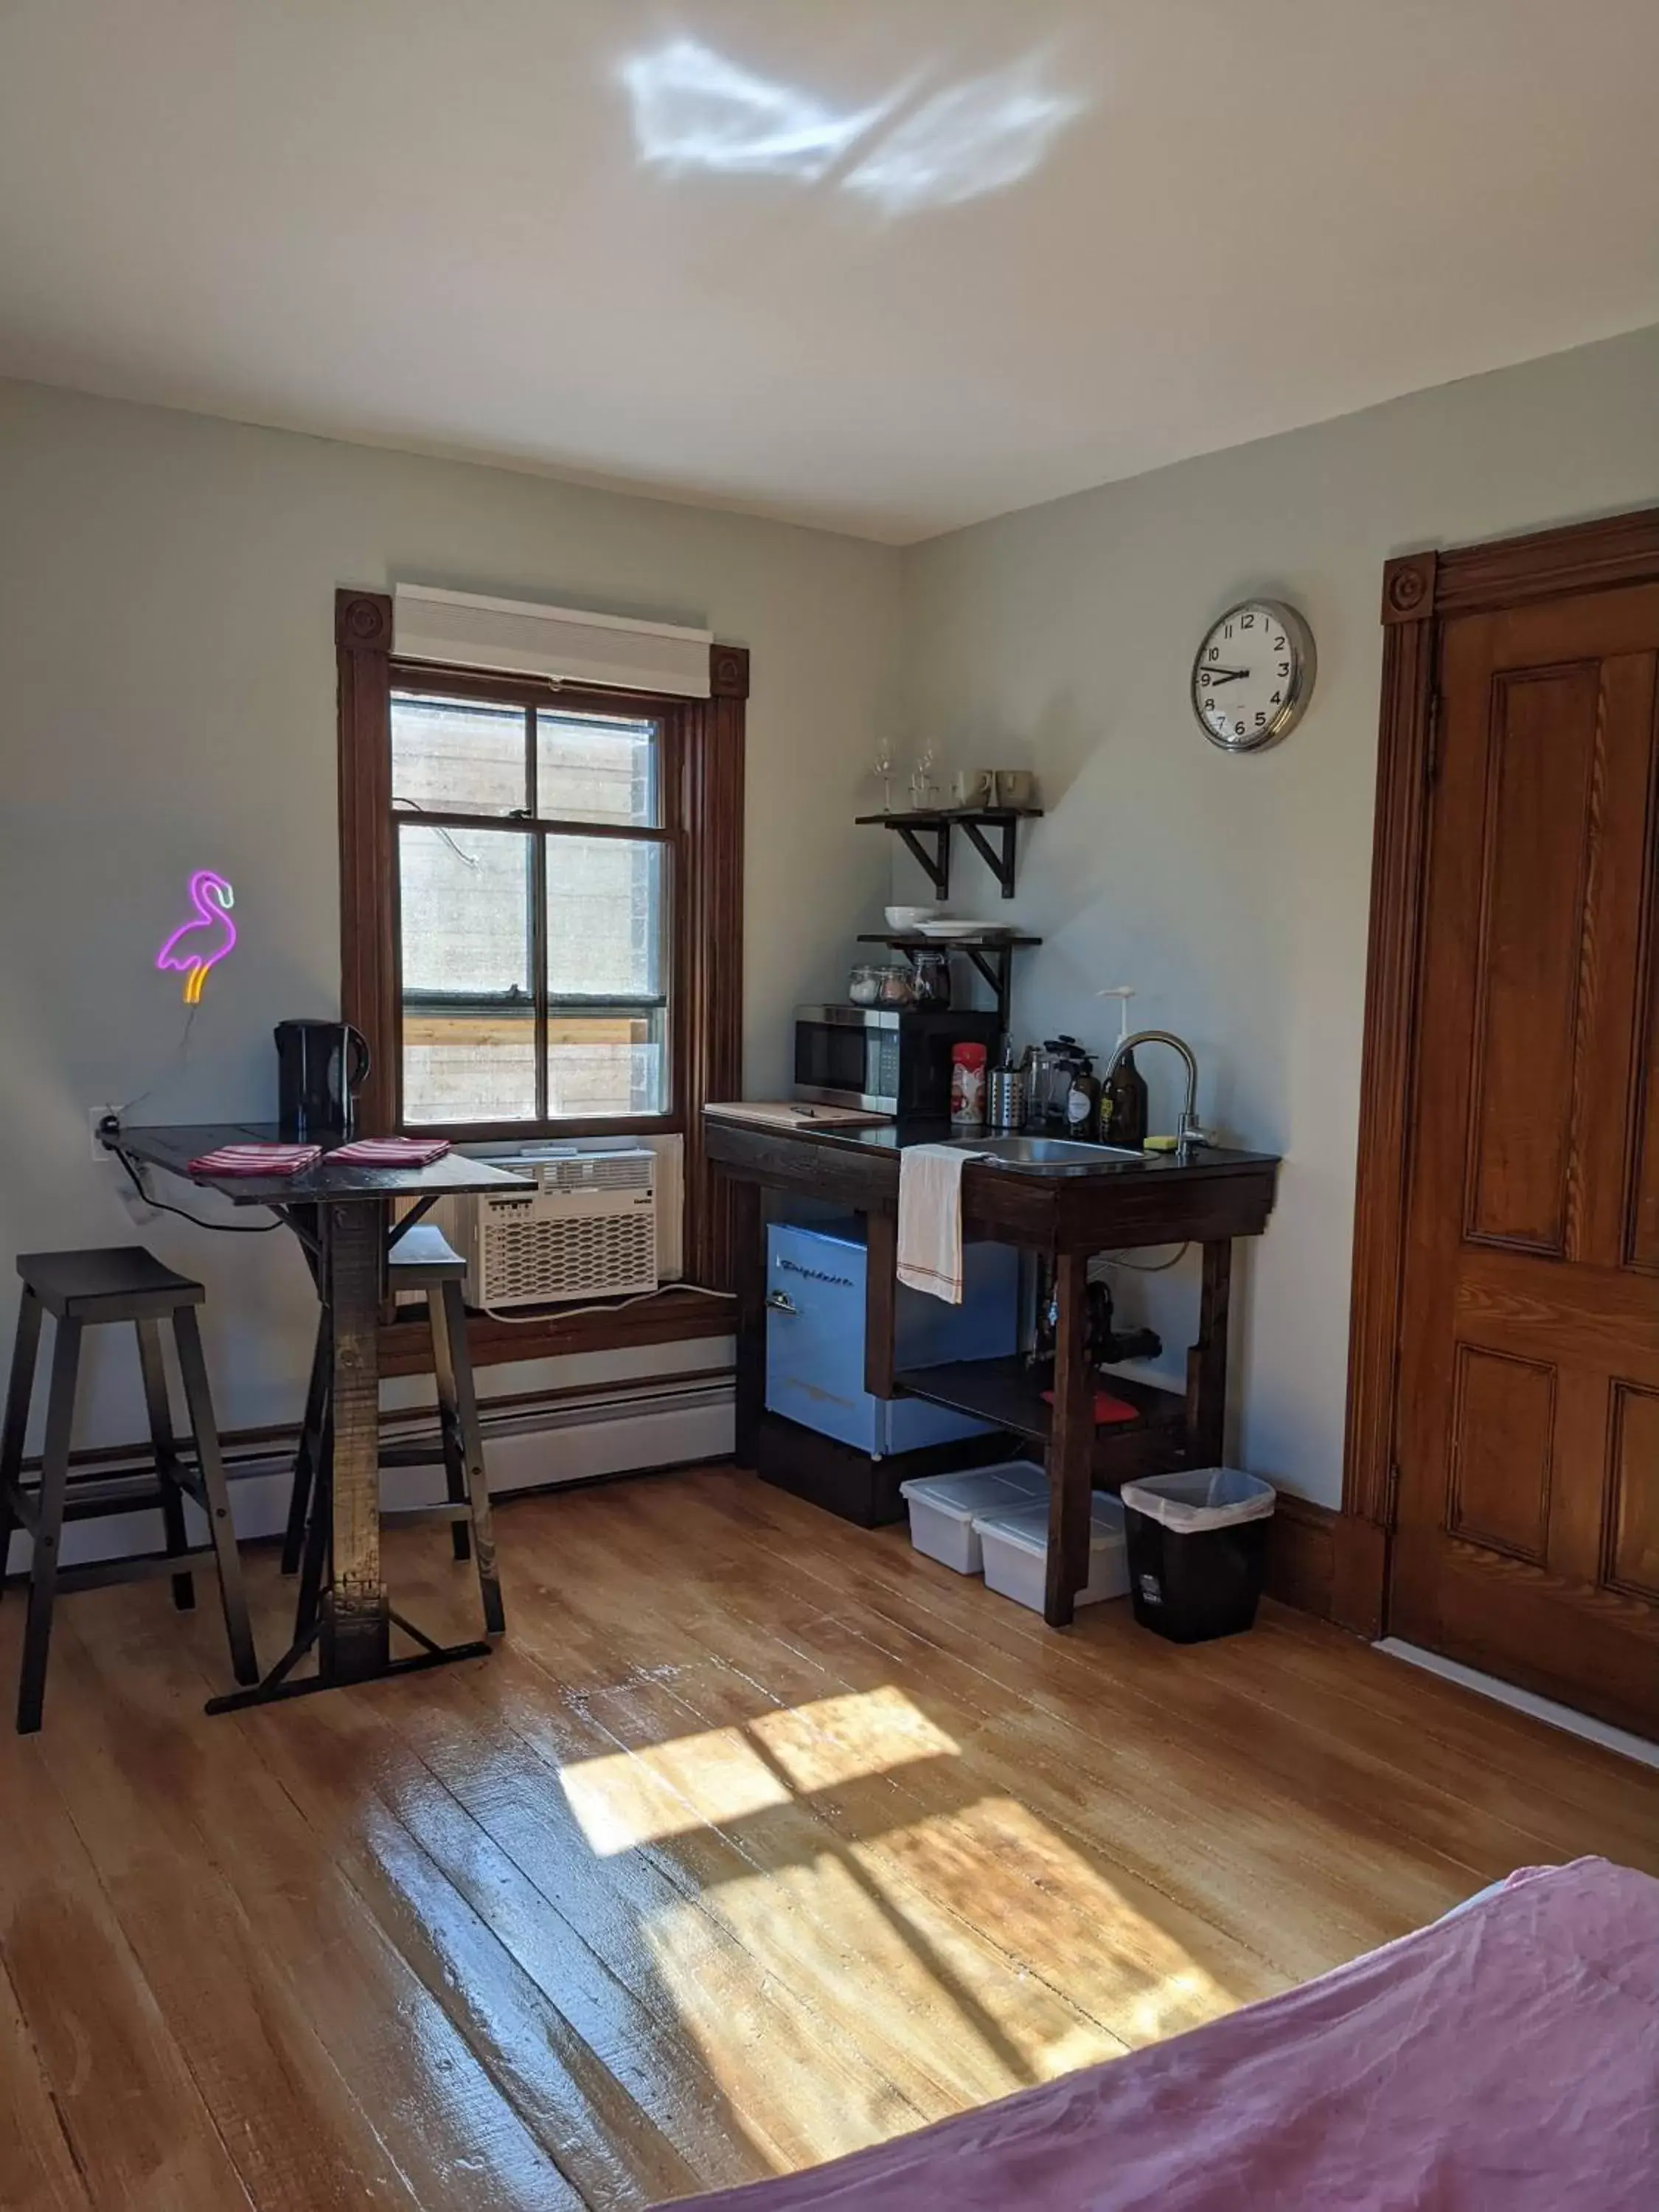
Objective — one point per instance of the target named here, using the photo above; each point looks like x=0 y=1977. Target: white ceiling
x=891 y=265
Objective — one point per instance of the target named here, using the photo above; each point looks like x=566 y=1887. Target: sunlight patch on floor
x=632 y=1797
x=719 y=1775
x=1049 y=1904
x=845 y=1739
x=865 y=1936
x=785 y=2064
x=940 y=1938
x=893 y=1989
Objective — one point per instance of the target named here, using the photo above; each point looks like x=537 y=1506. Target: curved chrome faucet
x=1190 y=1132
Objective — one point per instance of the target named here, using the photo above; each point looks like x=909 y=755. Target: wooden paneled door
x=1526 y=1421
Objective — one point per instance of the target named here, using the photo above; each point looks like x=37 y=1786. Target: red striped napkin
x=257 y=1160
x=392 y=1152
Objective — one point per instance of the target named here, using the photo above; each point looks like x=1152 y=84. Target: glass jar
x=895 y=987
x=864 y=985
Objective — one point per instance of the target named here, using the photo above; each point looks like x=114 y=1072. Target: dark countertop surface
x=887 y=1139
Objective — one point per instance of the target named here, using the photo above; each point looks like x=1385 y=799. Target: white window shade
x=458 y=630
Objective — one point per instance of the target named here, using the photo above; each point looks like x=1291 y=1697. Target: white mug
x=975 y=787
x=1015 y=787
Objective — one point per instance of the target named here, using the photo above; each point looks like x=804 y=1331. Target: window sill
x=673 y=1317
x=502 y=1136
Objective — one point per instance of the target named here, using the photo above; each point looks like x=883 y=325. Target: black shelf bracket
x=992 y=830
x=995 y=963
x=1000 y=861
x=937 y=863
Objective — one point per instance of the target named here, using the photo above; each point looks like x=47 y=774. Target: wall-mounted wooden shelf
x=916 y=823
x=991 y=954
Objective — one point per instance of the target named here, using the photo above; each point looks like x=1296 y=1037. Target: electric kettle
x=320 y=1069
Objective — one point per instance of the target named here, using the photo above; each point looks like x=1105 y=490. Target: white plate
x=948 y=929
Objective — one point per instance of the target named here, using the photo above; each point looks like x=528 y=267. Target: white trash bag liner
x=1203 y=1498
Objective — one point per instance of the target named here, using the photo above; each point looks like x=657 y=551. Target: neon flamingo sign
x=203 y=942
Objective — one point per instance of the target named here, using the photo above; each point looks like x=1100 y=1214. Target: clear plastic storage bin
x=943 y=1508
x=1015 y=1540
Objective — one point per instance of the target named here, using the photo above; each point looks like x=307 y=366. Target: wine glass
x=922 y=782
x=883 y=768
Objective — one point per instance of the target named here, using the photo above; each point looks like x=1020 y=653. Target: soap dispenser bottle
x=1083 y=1103
x=1123 y=1100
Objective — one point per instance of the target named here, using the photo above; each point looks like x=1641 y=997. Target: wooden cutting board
x=794 y=1113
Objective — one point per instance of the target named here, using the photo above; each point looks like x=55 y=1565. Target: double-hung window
x=537 y=860
x=541 y=881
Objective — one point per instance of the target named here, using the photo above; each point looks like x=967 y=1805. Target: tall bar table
x=340 y=1212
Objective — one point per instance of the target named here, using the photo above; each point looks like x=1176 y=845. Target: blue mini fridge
x=815 y=1338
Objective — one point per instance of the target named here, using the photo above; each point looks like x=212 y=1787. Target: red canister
x=968 y=1086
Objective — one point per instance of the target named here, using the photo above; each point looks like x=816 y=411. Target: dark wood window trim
x=1419 y=591
x=705 y=759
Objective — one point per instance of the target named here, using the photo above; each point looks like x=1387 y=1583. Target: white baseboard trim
x=1525 y=1701
x=530 y=1454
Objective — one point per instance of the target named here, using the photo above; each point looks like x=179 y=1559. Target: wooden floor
x=759 y=1839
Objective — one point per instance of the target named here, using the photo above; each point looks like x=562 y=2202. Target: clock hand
x=1224 y=674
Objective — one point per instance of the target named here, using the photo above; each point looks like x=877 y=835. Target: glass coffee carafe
x=931 y=974
x=1040 y=1067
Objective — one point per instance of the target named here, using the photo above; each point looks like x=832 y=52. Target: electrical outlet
x=98 y=1118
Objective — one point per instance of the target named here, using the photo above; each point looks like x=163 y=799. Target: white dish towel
x=930 y=1219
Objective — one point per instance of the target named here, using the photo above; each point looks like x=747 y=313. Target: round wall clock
x=1252 y=675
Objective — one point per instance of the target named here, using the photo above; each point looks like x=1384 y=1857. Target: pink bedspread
x=1503 y=2060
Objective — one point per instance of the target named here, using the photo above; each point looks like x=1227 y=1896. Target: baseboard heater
x=272 y=1451
x=619 y=1429
x=617 y=1402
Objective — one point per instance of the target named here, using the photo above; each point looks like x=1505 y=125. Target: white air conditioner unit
x=587 y=1230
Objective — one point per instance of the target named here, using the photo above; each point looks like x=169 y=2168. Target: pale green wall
x=167 y=703
x=1234 y=892
x=165 y=599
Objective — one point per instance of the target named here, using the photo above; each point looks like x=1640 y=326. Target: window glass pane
x=468 y=1067
x=468 y=1024
x=595 y=768
x=457 y=757
x=605 y=918
x=614 y=1062
x=605 y=931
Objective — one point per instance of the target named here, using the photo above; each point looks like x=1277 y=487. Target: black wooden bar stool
x=420 y=1259
x=85 y=1289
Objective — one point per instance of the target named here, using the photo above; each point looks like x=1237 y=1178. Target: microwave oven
x=887 y=1060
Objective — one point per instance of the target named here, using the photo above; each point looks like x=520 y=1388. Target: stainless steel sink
x=1047 y=1154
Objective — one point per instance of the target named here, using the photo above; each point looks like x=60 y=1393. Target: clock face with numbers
x=1252 y=675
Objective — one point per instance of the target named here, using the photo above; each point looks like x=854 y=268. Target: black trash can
x=1198 y=1551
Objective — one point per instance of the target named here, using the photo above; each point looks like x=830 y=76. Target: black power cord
x=161 y=1206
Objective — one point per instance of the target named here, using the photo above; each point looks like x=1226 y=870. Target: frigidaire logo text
x=815 y=1274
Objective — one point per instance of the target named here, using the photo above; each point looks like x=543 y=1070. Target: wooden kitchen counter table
x=1205 y=1196
x=340 y=1212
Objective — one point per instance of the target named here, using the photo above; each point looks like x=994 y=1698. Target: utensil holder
x=1006 y=1100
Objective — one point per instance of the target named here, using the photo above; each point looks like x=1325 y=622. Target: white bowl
x=905 y=918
